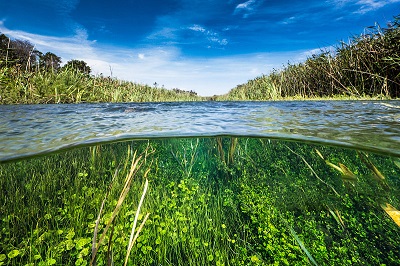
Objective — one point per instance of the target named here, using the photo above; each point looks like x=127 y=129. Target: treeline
x=367 y=66
x=23 y=56
x=29 y=76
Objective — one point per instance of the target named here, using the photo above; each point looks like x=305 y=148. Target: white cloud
x=77 y=46
x=363 y=6
x=197 y=28
x=210 y=35
x=288 y=20
x=247 y=8
x=246 y=5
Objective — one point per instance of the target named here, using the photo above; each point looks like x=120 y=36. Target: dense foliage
x=217 y=201
x=369 y=65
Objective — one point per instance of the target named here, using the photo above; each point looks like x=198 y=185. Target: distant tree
x=4 y=45
x=23 y=54
x=49 y=61
x=78 y=65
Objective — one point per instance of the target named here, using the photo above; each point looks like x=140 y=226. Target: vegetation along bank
x=368 y=66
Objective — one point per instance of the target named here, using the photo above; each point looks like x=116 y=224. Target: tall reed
x=72 y=86
x=367 y=66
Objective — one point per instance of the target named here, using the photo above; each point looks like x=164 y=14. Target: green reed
x=275 y=202
x=72 y=86
x=368 y=66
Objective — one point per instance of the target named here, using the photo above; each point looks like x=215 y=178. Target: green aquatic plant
x=133 y=236
x=392 y=212
x=50 y=206
x=136 y=164
x=312 y=170
x=301 y=244
x=377 y=174
x=346 y=173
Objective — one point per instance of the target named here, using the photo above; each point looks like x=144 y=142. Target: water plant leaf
x=131 y=239
x=336 y=215
x=302 y=246
x=12 y=254
x=392 y=212
x=334 y=166
x=397 y=163
x=135 y=166
x=319 y=154
x=377 y=174
x=312 y=170
x=99 y=216
x=343 y=169
x=346 y=173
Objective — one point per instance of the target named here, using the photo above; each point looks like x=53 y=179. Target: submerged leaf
x=334 y=166
x=346 y=173
x=336 y=215
x=392 y=212
x=319 y=154
x=397 y=163
x=301 y=244
x=364 y=158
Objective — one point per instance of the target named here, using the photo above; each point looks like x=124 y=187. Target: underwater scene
x=226 y=200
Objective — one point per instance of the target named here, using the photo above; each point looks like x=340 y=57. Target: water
x=285 y=183
x=33 y=129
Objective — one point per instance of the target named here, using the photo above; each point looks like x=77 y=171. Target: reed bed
x=368 y=66
x=71 y=86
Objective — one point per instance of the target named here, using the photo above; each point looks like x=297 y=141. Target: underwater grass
x=203 y=210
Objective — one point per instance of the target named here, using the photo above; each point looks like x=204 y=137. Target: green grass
x=225 y=201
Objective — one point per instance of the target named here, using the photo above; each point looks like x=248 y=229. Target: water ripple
x=28 y=130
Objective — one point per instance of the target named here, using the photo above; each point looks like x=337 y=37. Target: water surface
x=27 y=130
x=231 y=183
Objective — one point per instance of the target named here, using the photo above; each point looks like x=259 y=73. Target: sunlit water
x=230 y=183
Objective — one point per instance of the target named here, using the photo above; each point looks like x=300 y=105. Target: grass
x=225 y=201
x=367 y=67
x=72 y=86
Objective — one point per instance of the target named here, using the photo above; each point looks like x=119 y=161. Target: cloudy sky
x=201 y=45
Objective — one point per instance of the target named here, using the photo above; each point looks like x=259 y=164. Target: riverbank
x=74 y=86
x=367 y=67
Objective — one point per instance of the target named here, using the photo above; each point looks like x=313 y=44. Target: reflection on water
x=27 y=130
x=211 y=201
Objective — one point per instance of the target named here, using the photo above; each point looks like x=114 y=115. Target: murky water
x=286 y=183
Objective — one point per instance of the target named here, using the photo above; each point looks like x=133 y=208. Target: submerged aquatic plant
x=49 y=206
x=346 y=174
x=392 y=212
x=135 y=165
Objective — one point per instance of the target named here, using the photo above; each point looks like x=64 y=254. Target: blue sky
x=201 y=45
